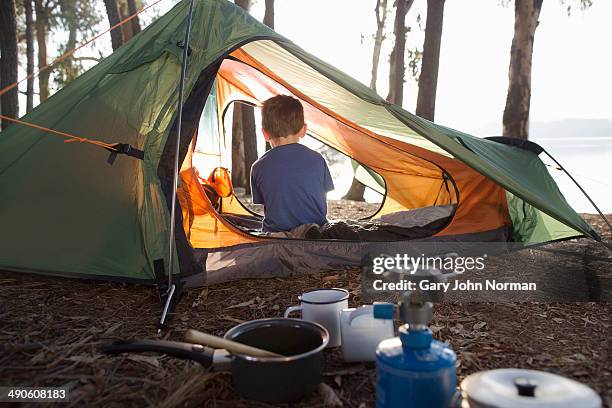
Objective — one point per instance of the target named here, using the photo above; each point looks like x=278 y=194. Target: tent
x=102 y=209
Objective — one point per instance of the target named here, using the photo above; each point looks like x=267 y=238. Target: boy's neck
x=281 y=141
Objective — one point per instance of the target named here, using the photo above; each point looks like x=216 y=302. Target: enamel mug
x=361 y=333
x=323 y=306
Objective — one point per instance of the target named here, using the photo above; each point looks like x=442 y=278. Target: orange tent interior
x=414 y=177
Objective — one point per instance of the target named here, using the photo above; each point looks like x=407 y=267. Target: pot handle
x=195 y=352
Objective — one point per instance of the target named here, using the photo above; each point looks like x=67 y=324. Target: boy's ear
x=265 y=134
x=303 y=131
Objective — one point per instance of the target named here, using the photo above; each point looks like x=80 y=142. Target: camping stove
x=413 y=369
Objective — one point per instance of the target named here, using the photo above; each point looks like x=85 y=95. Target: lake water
x=589 y=161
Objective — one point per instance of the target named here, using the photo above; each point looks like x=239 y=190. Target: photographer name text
x=459 y=286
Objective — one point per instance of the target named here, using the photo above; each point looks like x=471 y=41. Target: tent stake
x=171 y=286
x=164 y=316
x=581 y=189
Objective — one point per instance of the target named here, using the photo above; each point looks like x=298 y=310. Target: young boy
x=290 y=180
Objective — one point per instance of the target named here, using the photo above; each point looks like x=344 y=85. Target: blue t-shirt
x=292 y=182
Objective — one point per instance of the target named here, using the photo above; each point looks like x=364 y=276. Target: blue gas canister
x=413 y=369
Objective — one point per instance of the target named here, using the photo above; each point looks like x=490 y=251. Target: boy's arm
x=255 y=191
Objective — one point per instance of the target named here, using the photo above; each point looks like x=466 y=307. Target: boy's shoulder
x=294 y=149
x=294 y=153
x=307 y=150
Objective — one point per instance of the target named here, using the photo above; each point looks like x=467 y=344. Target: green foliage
x=581 y=4
x=68 y=23
x=414 y=56
x=79 y=18
x=413 y=66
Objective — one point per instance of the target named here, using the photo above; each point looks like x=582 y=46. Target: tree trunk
x=249 y=139
x=357 y=189
x=396 y=62
x=29 y=15
x=269 y=21
x=71 y=23
x=379 y=37
x=42 y=23
x=8 y=64
x=516 y=113
x=112 y=11
x=238 y=170
x=355 y=192
x=269 y=14
x=245 y=4
x=135 y=22
x=244 y=123
x=126 y=29
x=428 y=79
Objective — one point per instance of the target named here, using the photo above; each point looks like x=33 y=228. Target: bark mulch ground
x=51 y=331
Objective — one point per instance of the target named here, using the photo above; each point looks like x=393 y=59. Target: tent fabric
x=65 y=210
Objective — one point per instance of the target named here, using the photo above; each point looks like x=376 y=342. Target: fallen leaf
x=480 y=325
x=435 y=328
x=232 y=319
x=154 y=361
x=243 y=304
x=338 y=381
x=112 y=328
x=579 y=356
x=82 y=359
x=201 y=298
x=330 y=398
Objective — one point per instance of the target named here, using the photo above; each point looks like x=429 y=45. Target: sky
x=571 y=61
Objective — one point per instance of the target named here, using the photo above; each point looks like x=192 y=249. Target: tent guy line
x=69 y=137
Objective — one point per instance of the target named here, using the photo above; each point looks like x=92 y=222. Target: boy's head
x=282 y=116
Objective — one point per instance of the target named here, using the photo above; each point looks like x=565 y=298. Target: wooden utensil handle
x=231 y=346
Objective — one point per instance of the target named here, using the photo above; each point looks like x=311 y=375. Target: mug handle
x=292 y=309
x=360 y=311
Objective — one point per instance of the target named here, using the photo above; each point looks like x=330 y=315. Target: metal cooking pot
x=516 y=388
x=267 y=379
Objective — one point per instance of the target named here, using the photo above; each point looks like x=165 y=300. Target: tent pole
x=171 y=285
x=581 y=189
